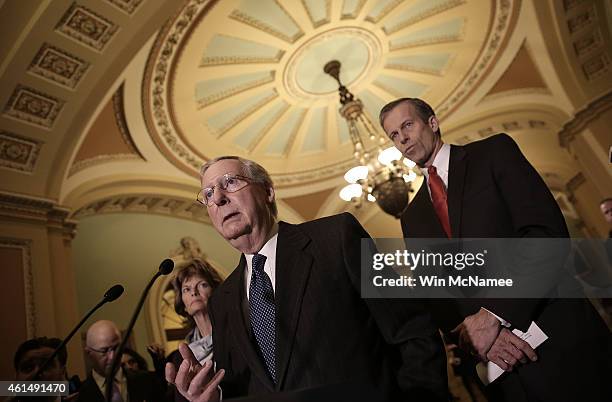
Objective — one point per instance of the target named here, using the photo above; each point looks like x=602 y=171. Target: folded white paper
x=534 y=337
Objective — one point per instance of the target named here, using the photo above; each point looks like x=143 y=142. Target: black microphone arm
x=111 y=294
x=165 y=268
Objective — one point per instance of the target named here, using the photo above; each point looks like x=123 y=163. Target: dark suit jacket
x=143 y=386
x=494 y=192
x=325 y=332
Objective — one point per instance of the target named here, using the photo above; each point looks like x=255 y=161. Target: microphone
x=111 y=294
x=165 y=268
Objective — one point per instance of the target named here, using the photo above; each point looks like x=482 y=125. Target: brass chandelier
x=382 y=174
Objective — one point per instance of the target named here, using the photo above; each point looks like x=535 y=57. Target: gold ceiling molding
x=426 y=14
x=573 y=184
x=247 y=19
x=127 y=6
x=585 y=27
x=505 y=15
x=23 y=208
x=196 y=110
x=18 y=153
x=156 y=75
x=33 y=107
x=317 y=22
x=208 y=100
x=148 y=204
x=81 y=165
x=58 y=66
x=583 y=117
x=86 y=27
x=25 y=247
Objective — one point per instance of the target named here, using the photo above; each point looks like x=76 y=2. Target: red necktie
x=438 y=198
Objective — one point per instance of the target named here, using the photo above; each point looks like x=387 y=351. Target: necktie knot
x=432 y=170
x=259 y=260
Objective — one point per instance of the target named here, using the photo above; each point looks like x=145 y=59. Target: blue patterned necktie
x=263 y=313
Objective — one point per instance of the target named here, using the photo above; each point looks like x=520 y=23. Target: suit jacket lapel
x=293 y=265
x=240 y=327
x=420 y=219
x=456 y=183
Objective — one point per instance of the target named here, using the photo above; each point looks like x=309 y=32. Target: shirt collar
x=441 y=162
x=268 y=250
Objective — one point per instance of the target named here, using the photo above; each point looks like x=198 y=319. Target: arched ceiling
x=108 y=104
x=246 y=78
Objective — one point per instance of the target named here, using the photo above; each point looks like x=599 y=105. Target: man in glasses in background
x=103 y=338
x=290 y=316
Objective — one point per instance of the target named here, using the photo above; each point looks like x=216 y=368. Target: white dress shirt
x=441 y=162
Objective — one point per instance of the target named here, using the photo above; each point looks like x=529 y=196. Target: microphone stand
x=111 y=294
x=164 y=269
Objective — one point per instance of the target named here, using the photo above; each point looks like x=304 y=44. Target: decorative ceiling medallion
x=127 y=6
x=17 y=152
x=31 y=106
x=246 y=78
x=58 y=66
x=356 y=48
x=86 y=27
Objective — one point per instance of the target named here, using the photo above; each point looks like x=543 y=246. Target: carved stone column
x=35 y=247
x=588 y=138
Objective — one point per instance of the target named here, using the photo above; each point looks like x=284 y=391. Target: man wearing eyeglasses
x=290 y=316
x=103 y=338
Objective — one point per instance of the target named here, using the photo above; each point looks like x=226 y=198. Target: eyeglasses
x=105 y=350
x=228 y=182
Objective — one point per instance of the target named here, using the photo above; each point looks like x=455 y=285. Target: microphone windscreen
x=166 y=266
x=113 y=293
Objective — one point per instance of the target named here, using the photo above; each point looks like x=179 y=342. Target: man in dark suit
x=487 y=189
x=290 y=316
x=103 y=338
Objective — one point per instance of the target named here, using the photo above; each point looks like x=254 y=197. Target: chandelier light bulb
x=409 y=163
x=350 y=191
x=387 y=156
x=410 y=177
x=356 y=173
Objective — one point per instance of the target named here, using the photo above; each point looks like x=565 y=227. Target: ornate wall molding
x=583 y=118
x=151 y=204
x=25 y=246
x=39 y=211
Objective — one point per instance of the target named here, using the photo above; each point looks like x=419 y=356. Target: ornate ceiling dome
x=246 y=77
